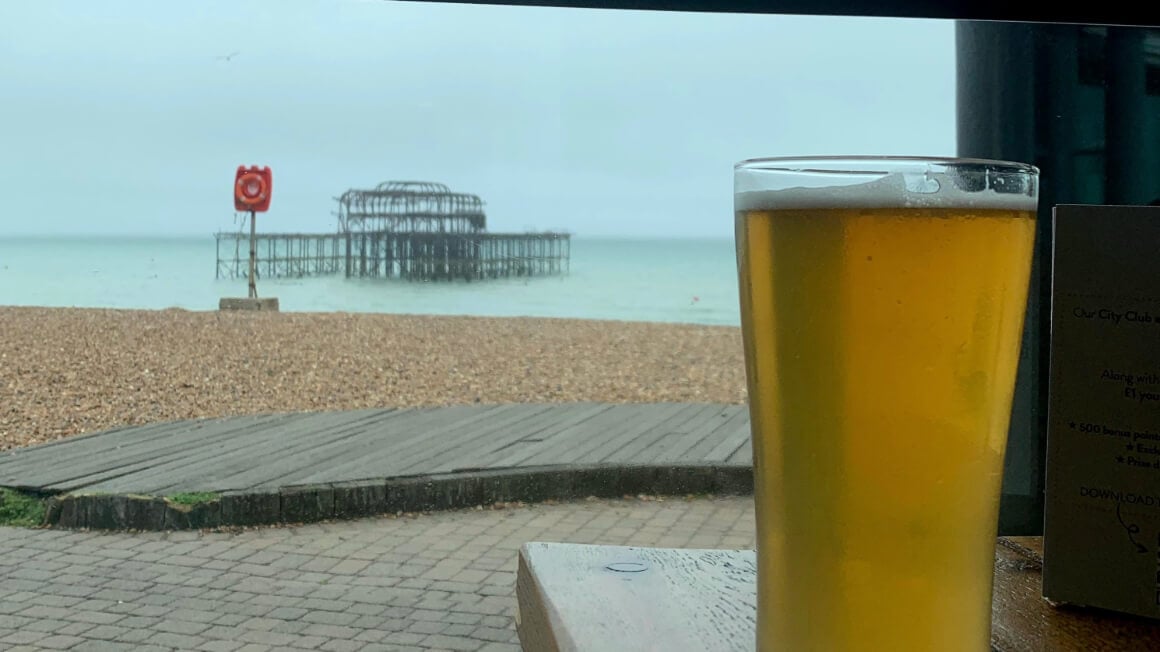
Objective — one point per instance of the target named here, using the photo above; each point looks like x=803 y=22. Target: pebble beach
x=68 y=371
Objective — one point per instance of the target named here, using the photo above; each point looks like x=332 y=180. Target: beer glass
x=882 y=305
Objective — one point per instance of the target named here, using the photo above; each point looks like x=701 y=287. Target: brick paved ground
x=437 y=582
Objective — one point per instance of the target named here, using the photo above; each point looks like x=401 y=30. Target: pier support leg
x=253 y=255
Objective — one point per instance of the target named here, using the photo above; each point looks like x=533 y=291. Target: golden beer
x=881 y=350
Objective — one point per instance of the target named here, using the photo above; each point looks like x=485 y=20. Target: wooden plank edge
x=422 y=493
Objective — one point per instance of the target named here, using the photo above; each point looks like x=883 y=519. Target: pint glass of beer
x=882 y=305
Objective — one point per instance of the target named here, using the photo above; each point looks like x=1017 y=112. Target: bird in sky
x=229 y=56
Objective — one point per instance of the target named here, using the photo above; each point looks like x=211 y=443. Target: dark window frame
x=1082 y=13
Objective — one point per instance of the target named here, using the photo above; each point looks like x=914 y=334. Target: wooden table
x=580 y=598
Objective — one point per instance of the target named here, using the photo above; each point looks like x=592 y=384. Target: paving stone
x=330 y=617
x=178 y=641
x=427 y=627
x=90 y=645
x=342 y=645
x=445 y=642
x=331 y=586
x=180 y=627
x=22 y=637
x=59 y=642
x=287 y=613
x=75 y=629
x=220 y=646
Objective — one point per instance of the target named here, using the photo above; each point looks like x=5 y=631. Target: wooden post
x=349 y=267
x=253 y=255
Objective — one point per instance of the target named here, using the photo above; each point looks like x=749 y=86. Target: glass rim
x=862 y=164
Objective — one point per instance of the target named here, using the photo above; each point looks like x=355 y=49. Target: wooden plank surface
x=686 y=435
x=453 y=442
x=559 y=442
x=412 y=442
x=54 y=471
x=296 y=446
x=622 y=446
x=210 y=462
x=543 y=440
x=743 y=456
x=643 y=449
x=59 y=462
x=385 y=442
x=729 y=441
x=363 y=440
x=591 y=434
x=710 y=440
x=690 y=600
x=485 y=441
x=1024 y=621
x=276 y=450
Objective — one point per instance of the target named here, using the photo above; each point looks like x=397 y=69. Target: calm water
x=691 y=281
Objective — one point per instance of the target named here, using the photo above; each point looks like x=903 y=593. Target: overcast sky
x=127 y=117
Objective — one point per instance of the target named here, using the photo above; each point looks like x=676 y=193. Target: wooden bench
x=581 y=598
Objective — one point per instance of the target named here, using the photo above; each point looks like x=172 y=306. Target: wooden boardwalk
x=286 y=450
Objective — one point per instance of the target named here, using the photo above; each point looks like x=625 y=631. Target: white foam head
x=918 y=185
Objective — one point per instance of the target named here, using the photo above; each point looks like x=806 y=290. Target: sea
x=673 y=280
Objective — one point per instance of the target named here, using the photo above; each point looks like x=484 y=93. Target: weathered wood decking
x=285 y=450
x=584 y=597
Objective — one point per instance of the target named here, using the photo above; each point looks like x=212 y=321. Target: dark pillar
x=996 y=94
x=1126 y=121
x=1060 y=62
x=996 y=77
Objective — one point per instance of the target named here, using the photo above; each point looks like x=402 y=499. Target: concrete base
x=264 y=304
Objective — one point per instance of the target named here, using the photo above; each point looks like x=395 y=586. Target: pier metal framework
x=410 y=230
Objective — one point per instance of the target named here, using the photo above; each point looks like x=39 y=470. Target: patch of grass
x=20 y=509
x=194 y=498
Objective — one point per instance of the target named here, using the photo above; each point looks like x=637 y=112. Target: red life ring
x=251 y=189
